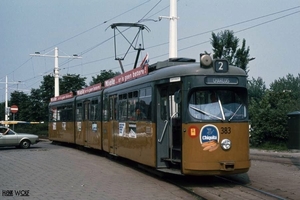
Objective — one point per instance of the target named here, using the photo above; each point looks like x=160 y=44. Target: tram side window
x=122 y=107
x=86 y=111
x=94 y=110
x=163 y=106
x=144 y=104
x=53 y=114
x=110 y=108
x=133 y=107
x=65 y=113
x=79 y=112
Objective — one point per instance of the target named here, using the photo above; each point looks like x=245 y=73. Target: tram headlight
x=205 y=60
x=226 y=144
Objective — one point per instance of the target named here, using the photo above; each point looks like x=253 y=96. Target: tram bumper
x=216 y=168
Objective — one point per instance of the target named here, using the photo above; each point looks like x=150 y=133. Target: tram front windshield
x=218 y=105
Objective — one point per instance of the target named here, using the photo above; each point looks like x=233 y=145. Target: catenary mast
x=173 y=29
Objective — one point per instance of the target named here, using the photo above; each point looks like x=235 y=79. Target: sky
x=270 y=27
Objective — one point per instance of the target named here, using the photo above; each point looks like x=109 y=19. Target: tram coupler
x=227 y=166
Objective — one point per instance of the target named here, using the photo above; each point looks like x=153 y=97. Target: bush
x=37 y=129
x=269 y=118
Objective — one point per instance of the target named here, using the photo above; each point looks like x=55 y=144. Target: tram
x=176 y=116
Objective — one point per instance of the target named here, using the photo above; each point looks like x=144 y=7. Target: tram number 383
x=225 y=130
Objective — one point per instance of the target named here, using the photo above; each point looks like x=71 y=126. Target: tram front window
x=218 y=105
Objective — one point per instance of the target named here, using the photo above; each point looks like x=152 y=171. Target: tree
x=47 y=88
x=256 y=89
x=68 y=83
x=38 y=108
x=22 y=100
x=104 y=75
x=225 y=45
x=269 y=118
x=2 y=111
x=269 y=115
x=71 y=82
x=289 y=84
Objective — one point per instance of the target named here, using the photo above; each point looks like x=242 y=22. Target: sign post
x=14 y=109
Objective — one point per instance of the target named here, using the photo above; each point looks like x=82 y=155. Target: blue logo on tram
x=209 y=132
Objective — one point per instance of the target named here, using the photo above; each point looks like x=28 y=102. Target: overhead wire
x=250 y=27
x=242 y=22
x=106 y=40
x=83 y=32
x=224 y=27
x=221 y=28
x=184 y=38
x=18 y=67
x=87 y=50
x=99 y=44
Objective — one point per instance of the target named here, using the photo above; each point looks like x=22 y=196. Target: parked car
x=9 y=137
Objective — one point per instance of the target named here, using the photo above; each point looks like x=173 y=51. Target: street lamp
x=56 y=70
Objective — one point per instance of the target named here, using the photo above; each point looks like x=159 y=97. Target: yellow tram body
x=139 y=147
x=163 y=116
x=198 y=161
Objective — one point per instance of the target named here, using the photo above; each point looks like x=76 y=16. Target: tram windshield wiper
x=235 y=112
x=206 y=113
x=222 y=111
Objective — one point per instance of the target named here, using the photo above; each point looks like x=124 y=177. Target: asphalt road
x=48 y=171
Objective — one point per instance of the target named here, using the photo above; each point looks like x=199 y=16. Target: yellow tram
x=177 y=116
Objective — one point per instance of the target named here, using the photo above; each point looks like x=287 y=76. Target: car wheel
x=25 y=144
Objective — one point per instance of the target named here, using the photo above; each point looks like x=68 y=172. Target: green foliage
x=269 y=114
x=225 y=45
x=288 y=84
x=38 y=129
x=47 y=88
x=104 y=75
x=71 y=82
x=256 y=89
x=22 y=101
x=269 y=118
x=2 y=111
x=34 y=107
x=37 y=108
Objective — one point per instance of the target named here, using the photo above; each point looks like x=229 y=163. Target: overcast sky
x=270 y=27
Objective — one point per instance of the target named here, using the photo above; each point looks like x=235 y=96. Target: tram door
x=114 y=124
x=168 y=125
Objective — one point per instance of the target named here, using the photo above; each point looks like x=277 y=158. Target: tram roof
x=156 y=71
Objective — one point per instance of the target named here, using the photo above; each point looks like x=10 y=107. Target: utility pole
x=6 y=98
x=173 y=28
x=56 y=68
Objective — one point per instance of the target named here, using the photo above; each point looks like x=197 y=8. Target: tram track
x=230 y=187
x=251 y=185
x=220 y=187
x=251 y=188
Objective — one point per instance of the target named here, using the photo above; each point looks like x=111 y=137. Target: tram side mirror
x=177 y=96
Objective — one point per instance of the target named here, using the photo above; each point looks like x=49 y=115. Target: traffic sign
x=14 y=109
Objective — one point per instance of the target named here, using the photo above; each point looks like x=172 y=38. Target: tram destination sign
x=221 y=80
